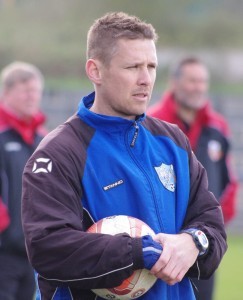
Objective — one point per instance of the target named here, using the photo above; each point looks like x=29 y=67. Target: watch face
x=202 y=239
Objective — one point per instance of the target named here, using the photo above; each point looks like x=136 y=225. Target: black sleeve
x=1 y=171
x=58 y=248
x=204 y=212
x=3 y=178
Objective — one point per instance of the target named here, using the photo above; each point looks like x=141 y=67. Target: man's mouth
x=141 y=95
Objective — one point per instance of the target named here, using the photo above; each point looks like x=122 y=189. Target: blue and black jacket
x=95 y=166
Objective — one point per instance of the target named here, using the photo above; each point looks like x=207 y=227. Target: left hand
x=178 y=255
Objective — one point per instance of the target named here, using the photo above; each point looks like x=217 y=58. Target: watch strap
x=199 y=238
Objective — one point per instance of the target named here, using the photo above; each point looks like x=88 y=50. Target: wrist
x=199 y=238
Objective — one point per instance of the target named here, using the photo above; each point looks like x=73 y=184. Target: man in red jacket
x=4 y=217
x=186 y=104
x=20 y=133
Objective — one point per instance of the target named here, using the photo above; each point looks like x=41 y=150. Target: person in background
x=186 y=104
x=4 y=217
x=110 y=159
x=20 y=132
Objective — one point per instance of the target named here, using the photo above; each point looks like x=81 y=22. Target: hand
x=178 y=255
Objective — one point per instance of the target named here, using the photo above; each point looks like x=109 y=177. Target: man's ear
x=93 y=70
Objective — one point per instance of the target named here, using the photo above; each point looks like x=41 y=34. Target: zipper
x=135 y=124
x=143 y=172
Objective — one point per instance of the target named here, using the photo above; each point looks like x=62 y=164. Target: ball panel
x=141 y=280
x=116 y=225
x=127 y=285
x=93 y=228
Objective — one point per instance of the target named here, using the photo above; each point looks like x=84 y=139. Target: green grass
x=229 y=284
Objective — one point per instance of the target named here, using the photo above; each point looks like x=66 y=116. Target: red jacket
x=26 y=130
x=8 y=123
x=4 y=217
x=209 y=138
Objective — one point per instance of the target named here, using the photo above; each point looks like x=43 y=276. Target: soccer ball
x=141 y=280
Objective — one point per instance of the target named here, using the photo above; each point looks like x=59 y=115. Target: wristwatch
x=200 y=239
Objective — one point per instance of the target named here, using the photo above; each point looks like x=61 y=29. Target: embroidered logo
x=167 y=176
x=13 y=146
x=215 y=150
x=42 y=165
x=112 y=185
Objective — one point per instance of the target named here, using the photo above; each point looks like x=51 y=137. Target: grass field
x=229 y=285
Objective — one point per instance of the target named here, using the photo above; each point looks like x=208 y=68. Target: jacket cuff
x=151 y=251
x=137 y=253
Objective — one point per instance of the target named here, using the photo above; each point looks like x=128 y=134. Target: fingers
x=162 y=262
x=168 y=270
x=175 y=260
x=165 y=268
x=173 y=279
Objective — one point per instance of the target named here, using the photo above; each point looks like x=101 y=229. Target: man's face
x=127 y=82
x=191 y=87
x=24 y=98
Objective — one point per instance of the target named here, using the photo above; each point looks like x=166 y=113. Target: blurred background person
x=186 y=104
x=20 y=132
x=4 y=216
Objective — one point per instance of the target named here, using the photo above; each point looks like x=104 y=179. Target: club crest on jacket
x=167 y=177
x=215 y=151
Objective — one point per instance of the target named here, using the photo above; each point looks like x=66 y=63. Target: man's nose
x=145 y=77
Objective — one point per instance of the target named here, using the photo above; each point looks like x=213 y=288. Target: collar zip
x=135 y=124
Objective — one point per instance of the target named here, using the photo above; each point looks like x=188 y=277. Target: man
x=4 y=216
x=20 y=132
x=186 y=104
x=109 y=159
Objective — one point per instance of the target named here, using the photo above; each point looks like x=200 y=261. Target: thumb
x=159 y=238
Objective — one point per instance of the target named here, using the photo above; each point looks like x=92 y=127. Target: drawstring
x=135 y=134
x=199 y=273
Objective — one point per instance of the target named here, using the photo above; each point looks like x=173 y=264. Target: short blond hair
x=18 y=72
x=107 y=30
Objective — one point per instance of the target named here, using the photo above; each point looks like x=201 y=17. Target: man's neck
x=186 y=114
x=11 y=111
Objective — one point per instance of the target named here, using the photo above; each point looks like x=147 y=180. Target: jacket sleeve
x=228 y=201
x=4 y=215
x=229 y=181
x=229 y=193
x=205 y=213
x=58 y=247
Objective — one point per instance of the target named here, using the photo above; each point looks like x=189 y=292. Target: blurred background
x=52 y=35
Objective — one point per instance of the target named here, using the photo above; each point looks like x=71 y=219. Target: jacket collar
x=193 y=132
x=103 y=122
x=26 y=129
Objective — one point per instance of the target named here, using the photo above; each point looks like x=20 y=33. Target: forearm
x=85 y=260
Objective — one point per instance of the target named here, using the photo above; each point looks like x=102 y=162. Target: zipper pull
x=135 y=134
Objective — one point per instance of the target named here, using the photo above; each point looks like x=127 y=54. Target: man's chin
x=140 y=112
x=194 y=104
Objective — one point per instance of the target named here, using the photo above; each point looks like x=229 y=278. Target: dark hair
x=176 y=71
x=104 y=33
